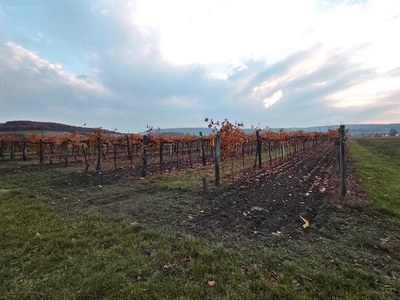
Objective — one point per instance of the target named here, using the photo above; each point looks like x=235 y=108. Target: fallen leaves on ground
x=211 y=283
x=273 y=277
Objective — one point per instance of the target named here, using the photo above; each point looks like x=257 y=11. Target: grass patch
x=193 y=179
x=186 y=180
x=378 y=166
x=46 y=253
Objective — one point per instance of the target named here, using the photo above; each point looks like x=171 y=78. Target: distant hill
x=361 y=129
x=354 y=129
x=18 y=126
x=37 y=127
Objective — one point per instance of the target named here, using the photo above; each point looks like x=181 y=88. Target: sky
x=125 y=65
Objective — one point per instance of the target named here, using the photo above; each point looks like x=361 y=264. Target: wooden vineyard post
x=203 y=154
x=258 y=150
x=243 y=160
x=41 y=158
x=177 y=155
x=269 y=151
x=25 y=151
x=217 y=159
x=98 y=167
x=75 y=151
x=189 y=146
x=342 y=162
x=66 y=154
x=128 y=146
x=2 y=150
x=144 y=158
x=12 y=150
x=161 y=156
x=115 y=155
x=85 y=155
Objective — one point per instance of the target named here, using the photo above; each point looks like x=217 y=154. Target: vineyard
x=157 y=152
x=75 y=221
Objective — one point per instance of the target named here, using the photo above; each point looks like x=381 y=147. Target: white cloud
x=180 y=102
x=371 y=92
x=367 y=28
x=27 y=62
x=273 y=99
x=175 y=62
x=218 y=75
x=206 y=31
x=34 y=88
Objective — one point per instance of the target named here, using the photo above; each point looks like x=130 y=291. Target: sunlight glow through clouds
x=366 y=28
x=366 y=93
x=206 y=31
x=222 y=35
x=273 y=99
x=306 y=66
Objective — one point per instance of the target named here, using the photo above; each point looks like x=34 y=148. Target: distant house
x=393 y=132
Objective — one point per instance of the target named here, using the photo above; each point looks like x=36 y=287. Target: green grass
x=186 y=180
x=192 y=179
x=378 y=166
x=44 y=255
x=48 y=254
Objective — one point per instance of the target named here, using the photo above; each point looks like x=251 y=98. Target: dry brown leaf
x=385 y=240
x=274 y=277
x=184 y=260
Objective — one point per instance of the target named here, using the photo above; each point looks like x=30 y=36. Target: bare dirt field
x=262 y=208
x=293 y=207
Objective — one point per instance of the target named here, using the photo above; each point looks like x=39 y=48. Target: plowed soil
x=293 y=206
x=275 y=204
x=270 y=205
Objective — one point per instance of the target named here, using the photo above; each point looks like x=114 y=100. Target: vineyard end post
x=203 y=154
x=217 y=159
x=342 y=161
x=259 y=148
x=144 y=157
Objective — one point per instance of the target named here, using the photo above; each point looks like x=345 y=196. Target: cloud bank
x=128 y=64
